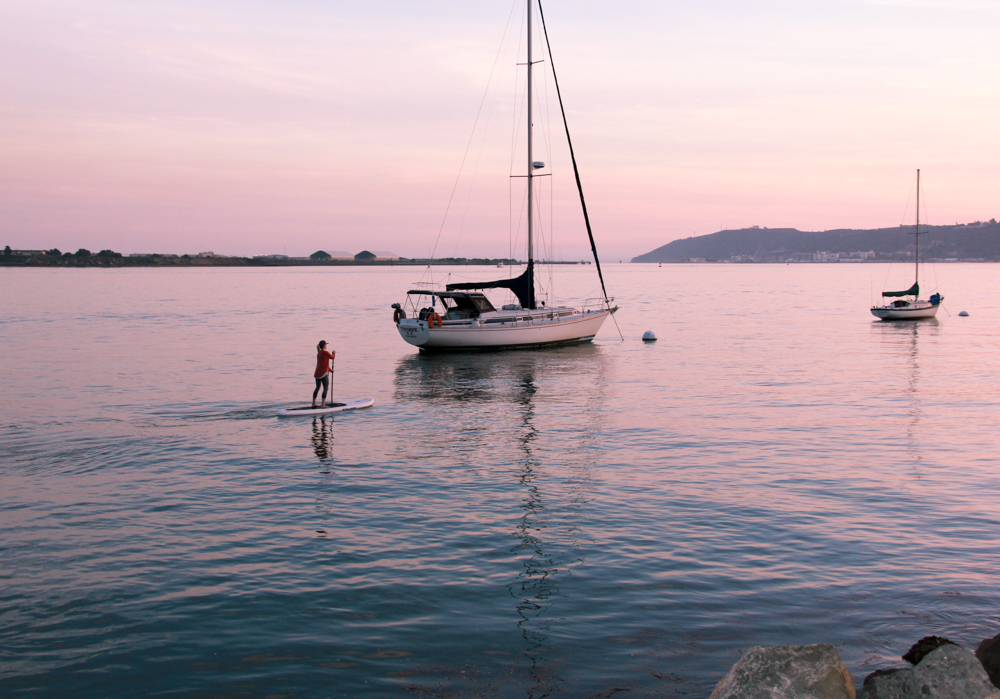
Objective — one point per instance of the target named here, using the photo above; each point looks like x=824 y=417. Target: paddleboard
x=328 y=408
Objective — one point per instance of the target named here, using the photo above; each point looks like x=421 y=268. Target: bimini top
x=474 y=302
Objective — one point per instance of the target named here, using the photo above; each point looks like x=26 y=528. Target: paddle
x=333 y=363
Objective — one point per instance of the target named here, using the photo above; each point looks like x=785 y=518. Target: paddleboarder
x=324 y=368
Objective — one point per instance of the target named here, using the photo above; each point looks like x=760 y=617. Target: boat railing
x=596 y=303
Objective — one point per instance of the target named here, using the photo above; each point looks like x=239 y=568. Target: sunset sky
x=266 y=127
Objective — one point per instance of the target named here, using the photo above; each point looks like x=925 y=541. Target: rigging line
x=479 y=157
x=552 y=239
x=896 y=240
x=545 y=120
x=572 y=154
x=520 y=216
x=616 y=326
x=927 y=224
x=471 y=137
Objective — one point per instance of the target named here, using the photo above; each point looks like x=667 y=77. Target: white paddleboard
x=328 y=408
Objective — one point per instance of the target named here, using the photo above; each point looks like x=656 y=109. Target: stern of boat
x=414 y=331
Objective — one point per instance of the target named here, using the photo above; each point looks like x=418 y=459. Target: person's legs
x=326 y=386
x=315 y=392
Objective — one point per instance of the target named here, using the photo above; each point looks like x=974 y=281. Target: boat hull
x=502 y=336
x=914 y=312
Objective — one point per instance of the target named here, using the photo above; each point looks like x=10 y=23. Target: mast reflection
x=492 y=403
x=536 y=583
x=903 y=340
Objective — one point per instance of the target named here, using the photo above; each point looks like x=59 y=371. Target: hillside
x=974 y=241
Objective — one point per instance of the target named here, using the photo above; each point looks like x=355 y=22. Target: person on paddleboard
x=324 y=368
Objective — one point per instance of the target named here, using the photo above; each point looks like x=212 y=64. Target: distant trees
x=7 y=251
x=54 y=252
x=109 y=253
x=83 y=252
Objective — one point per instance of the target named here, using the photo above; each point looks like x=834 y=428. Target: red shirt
x=323 y=363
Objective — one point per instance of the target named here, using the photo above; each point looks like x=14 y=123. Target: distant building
x=385 y=255
x=365 y=256
x=205 y=254
x=320 y=255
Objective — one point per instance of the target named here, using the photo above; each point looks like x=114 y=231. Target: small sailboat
x=461 y=317
x=908 y=304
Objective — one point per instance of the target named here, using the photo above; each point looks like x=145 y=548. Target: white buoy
x=964 y=314
x=649 y=336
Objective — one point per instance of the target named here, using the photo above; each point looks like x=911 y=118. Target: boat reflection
x=902 y=340
x=476 y=377
x=493 y=401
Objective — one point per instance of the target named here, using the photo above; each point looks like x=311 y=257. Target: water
x=618 y=517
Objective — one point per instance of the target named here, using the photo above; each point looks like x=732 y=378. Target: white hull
x=505 y=331
x=915 y=311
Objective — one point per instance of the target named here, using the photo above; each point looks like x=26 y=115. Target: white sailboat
x=461 y=317
x=908 y=304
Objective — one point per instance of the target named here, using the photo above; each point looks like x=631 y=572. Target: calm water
x=612 y=518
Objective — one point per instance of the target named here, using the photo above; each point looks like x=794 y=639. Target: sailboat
x=462 y=317
x=909 y=305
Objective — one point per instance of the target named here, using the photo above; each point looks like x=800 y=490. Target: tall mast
x=916 y=279
x=531 y=187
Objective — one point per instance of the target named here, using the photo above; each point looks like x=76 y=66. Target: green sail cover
x=912 y=291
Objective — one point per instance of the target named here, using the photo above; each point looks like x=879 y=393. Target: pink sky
x=268 y=127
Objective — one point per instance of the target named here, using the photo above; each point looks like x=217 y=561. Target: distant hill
x=973 y=241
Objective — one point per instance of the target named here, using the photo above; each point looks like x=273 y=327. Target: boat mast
x=916 y=235
x=531 y=187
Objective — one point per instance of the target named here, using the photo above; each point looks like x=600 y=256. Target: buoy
x=964 y=314
x=649 y=336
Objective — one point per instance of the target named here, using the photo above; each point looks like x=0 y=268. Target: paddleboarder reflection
x=322 y=439
x=324 y=371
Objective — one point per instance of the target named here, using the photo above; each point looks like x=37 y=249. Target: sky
x=262 y=127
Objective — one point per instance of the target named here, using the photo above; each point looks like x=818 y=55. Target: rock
x=787 y=672
x=988 y=653
x=948 y=672
x=881 y=673
x=924 y=646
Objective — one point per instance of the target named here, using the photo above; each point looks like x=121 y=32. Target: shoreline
x=107 y=261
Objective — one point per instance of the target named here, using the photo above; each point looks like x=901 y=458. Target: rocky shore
x=939 y=669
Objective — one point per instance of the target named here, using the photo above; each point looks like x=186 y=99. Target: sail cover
x=912 y=291
x=523 y=286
